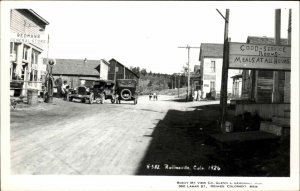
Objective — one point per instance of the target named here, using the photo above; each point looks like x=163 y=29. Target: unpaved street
x=75 y=138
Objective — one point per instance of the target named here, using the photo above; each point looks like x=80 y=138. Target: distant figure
x=195 y=95
x=154 y=96
x=150 y=96
x=199 y=95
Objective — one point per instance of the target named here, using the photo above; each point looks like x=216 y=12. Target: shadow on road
x=181 y=146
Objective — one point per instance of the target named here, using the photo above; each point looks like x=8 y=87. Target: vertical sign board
x=259 y=56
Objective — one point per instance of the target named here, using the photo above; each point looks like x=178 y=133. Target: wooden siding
x=265 y=111
x=264 y=86
x=18 y=19
x=287 y=87
x=120 y=72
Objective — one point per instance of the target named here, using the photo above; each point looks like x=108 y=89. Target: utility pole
x=188 y=65
x=223 y=100
x=275 y=93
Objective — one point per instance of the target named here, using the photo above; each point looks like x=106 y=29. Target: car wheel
x=83 y=100
x=125 y=91
x=70 y=98
x=98 y=101
x=112 y=100
x=135 y=101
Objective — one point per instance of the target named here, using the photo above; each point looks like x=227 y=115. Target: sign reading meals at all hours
x=259 y=56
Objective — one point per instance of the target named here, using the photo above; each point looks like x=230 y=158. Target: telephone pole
x=188 y=65
x=223 y=100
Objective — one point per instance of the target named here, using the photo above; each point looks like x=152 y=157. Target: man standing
x=58 y=84
x=64 y=89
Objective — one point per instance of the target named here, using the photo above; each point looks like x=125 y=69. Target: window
x=34 y=56
x=13 y=50
x=213 y=66
x=25 y=52
x=212 y=86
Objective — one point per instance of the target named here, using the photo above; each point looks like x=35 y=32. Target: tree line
x=150 y=81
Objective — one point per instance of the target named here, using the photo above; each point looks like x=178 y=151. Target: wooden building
x=119 y=71
x=26 y=47
x=258 y=84
x=211 y=63
x=76 y=71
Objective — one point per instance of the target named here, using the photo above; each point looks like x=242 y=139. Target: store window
x=213 y=66
x=13 y=50
x=25 y=53
x=34 y=56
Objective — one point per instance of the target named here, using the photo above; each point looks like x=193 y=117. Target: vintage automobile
x=82 y=93
x=126 y=90
x=97 y=91
x=105 y=88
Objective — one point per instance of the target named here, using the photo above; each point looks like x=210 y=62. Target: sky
x=148 y=34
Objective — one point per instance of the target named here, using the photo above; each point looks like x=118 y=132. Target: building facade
x=119 y=71
x=77 y=71
x=26 y=64
x=258 y=84
x=211 y=63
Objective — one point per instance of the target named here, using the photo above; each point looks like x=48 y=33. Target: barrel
x=32 y=96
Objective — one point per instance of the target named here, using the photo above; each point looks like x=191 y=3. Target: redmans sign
x=259 y=56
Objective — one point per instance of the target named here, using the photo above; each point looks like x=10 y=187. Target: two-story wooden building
x=27 y=43
x=211 y=63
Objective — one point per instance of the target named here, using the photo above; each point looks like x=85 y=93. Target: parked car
x=98 y=91
x=126 y=90
x=105 y=88
x=82 y=93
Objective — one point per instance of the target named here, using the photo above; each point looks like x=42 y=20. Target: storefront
x=26 y=47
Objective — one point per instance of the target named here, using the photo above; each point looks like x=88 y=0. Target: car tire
x=112 y=101
x=83 y=100
x=135 y=101
x=126 y=98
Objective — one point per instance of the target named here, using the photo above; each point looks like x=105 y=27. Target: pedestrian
x=65 y=89
x=195 y=95
x=150 y=96
x=199 y=95
x=154 y=96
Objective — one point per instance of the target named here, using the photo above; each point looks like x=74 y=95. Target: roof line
x=125 y=67
x=38 y=16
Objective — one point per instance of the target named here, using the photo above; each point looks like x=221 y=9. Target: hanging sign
x=259 y=56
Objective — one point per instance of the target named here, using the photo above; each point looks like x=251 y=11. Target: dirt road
x=75 y=138
x=164 y=137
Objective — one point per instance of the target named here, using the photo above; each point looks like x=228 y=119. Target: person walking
x=154 y=96
x=150 y=96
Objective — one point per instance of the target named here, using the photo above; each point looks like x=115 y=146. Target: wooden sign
x=259 y=56
x=28 y=38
